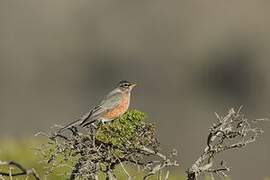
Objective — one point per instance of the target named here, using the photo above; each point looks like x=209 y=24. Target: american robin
x=114 y=105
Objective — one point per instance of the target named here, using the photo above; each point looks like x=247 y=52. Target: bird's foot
x=105 y=122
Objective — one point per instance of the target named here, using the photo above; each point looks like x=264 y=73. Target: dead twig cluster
x=132 y=141
x=22 y=170
x=98 y=150
x=233 y=131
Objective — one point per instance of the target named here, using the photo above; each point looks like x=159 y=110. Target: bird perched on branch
x=114 y=105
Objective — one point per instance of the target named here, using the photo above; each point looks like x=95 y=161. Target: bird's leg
x=93 y=125
x=103 y=122
x=108 y=122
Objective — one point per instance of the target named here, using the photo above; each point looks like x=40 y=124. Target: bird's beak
x=133 y=85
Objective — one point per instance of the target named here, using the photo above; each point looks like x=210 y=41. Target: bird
x=113 y=106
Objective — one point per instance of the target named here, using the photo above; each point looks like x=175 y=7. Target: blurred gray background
x=190 y=58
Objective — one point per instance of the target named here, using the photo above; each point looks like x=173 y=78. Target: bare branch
x=101 y=148
x=23 y=170
x=125 y=171
x=234 y=129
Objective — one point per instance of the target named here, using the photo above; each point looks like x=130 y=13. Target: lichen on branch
x=99 y=149
x=129 y=131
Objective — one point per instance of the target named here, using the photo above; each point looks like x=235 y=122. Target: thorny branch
x=234 y=131
x=23 y=170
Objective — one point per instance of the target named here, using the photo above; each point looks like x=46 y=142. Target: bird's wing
x=109 y=102
x=112 y=100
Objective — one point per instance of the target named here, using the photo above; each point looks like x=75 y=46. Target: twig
x=167 y=175
x=129 y=140
x=236 y=130
x=23 y=170
x=125 y=171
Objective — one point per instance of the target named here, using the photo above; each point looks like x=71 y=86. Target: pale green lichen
x=123 y=130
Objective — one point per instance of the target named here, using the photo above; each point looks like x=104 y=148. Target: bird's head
x=126 y=86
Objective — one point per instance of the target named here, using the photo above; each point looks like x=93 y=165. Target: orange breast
x=119 y=110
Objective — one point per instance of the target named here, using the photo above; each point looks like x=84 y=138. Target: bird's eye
x=126 y=85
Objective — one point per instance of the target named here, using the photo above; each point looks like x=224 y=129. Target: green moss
x=121 y=131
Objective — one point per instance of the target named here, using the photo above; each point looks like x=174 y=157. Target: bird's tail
x=87 y=123
x=70 y=125
x=78 y=122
